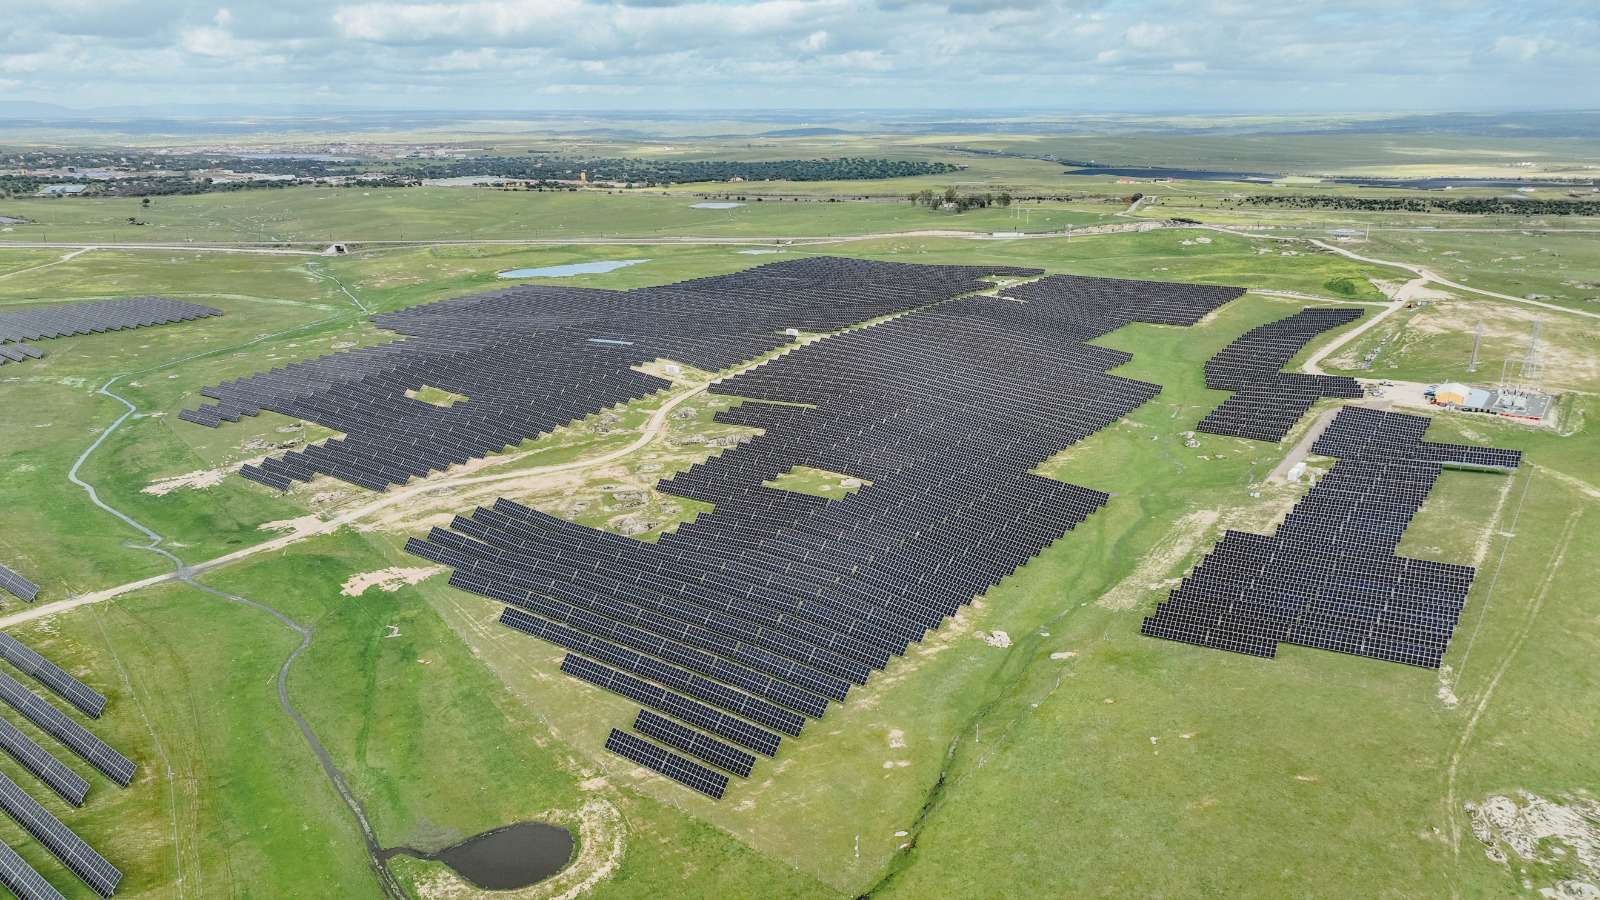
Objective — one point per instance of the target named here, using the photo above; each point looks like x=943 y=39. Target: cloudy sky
x=1120 y=55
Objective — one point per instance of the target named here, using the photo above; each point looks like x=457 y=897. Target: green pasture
x=1554 y=267
x=355 y=215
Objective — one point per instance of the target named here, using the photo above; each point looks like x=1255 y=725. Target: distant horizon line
x=246 y=107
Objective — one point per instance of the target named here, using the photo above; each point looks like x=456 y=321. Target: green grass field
x=440 y=214
x=1079 y=759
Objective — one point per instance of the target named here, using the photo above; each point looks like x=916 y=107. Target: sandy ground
x=202 y=479
x=391 y=579
x=1530 y=827
x=997 y=638
x=1568 y=352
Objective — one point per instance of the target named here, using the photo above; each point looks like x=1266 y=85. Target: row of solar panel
x=506 y=350
x=1330 y=578
x=18 y=586
x=834 y=588
x=1268 y=403
x=46 y=322
x=18 y=877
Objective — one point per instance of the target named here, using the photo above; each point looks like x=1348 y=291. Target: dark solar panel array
x=102 y=877
x=52 y=676
x=670 y=764
x=91 y=749
x=69 y=784
x=17 y=585
x=45 y=322
x=753 y=616
x=1329 y=577
x=532 y=358
x=1268 y=402
x=21 y=879
x=694 y=743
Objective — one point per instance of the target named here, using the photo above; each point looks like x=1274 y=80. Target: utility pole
x=1531 y=364
x=1477 y=341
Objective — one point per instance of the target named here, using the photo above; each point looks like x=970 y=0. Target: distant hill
x=805 y=132
x=33 y=109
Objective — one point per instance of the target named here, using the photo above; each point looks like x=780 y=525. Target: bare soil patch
x=389 y=580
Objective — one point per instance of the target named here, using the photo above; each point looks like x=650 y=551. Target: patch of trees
x=128 y=160
x=953 y=199
x=25 y=185
x=175 y=185
x=1483 y=206
x=658 y=172
x=1344 y=287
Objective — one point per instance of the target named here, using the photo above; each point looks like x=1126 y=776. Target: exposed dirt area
x=1447 y=692
x=389 y=580
x=1409 y=394
x=204 y=478
x=430 y=510
x=1564 y=835
x=303 y=523
x=1566 y=344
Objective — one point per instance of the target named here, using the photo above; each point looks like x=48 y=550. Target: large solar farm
x=1157 y=558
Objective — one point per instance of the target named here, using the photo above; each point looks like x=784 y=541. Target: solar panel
x=676 y=705
x=755 y=614
x=77 y=738
x=1268 y=403
x=47 y=322
x=702 y=779
x=69 y=784
x=1330 y=577
x=694 y=743
x=17 y=585
x=21 y=879
x=52 y=676
x=101 y=876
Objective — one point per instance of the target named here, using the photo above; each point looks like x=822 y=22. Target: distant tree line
x=1484 y=206
x=953 y=199
x=165 y=186
x=658 y=172
x=102 y=160
x=26 y=185
x=180 y=185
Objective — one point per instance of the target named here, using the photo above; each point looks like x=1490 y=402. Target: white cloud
x=707 y=53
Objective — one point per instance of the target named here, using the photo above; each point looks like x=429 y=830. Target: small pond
x=506 y=858
x=715 y=205
x=590 y=268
